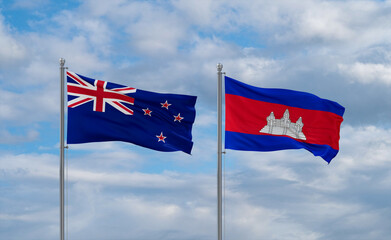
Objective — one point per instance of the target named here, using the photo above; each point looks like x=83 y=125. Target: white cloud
x=76 y=51
x=30 y=166
x=162 y=216
x=10 y=138
x=367 y=73
x=368 y=146
x=150 y=29
x=205 y=118
x=323 y=21
x=349 y=23
x=136 y=179
x=94 y=33
x=253 y=70
x=156 y=35
x=42 y=216
x=26 y=4
x=256 y=222
x=14 y=107
x=101 y=169
x=208 y=14
x=11 y=49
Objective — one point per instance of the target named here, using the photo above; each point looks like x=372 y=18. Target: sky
x=336 y=49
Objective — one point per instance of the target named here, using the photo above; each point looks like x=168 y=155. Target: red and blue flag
x=103 y=111
x=260 y=119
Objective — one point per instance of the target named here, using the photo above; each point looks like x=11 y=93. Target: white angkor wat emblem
x=284 y=126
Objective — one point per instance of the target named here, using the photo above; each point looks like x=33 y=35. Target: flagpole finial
x=62 y=61
x=219 y=67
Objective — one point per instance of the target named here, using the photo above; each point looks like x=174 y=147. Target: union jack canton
x=104 y=111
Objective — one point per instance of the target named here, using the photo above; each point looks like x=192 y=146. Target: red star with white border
x=147 y=112
x=178 y=118
x=161 y=137
x=165 y=105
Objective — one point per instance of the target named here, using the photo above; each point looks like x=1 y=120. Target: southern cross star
x=178 y=118
x=161 y=137
x=165 y=105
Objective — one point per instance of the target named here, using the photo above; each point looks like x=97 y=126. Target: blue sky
x=339 y=50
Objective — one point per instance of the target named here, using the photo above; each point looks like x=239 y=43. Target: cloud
x=147 y=29
x=14 y=107
x=316 y=21
x=11 y=49
x=25 y=4
x=93 y=33
x=33 y=166
x=368 y=73
x=9 y=138
x=257 y=222
x=205 y=118
x=156 y=33
x=145 y=217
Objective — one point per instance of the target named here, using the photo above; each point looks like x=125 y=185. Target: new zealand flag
x=102 y=111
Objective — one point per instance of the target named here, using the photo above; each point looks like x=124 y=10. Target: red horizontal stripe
x=246 y=115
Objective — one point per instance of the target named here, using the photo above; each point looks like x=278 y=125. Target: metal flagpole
x=62 y=68
x=219 y=151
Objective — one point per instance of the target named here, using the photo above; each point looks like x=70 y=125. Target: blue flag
x=261 y=119
x=102 y=111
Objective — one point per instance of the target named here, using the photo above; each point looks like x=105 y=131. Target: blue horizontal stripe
x=282 y=96
x=265 y=143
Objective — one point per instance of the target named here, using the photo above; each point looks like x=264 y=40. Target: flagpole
x=219 y=151
x=62 y=68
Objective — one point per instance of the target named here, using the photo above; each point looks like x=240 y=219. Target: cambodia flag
x=260 y=119
x=104 y=111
